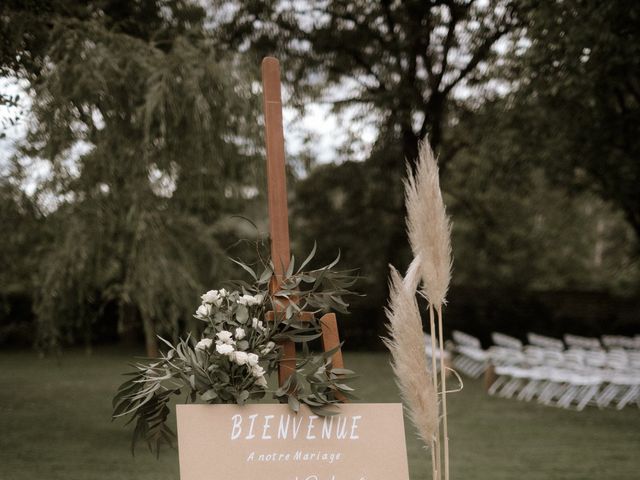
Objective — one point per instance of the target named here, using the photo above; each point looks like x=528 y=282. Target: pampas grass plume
x=409 y=362
x=428 y=226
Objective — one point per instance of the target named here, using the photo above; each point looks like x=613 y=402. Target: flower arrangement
x=239 y=349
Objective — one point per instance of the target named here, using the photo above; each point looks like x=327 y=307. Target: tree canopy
x=577 y=77
x=148 y=135
x=143 y=143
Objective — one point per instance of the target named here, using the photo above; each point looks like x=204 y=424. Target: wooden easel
x=279 y=217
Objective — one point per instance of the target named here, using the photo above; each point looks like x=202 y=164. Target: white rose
x=252 y=300
x=267 y=348
x=257 y=324
x=203 y=311
x=224 y=349
x=252 y=359
x=204 y=344
x=257 y=371
x=223 y=293
x=262 y=382
x=210 y=297
x=225 y=337
x=248 y=300
x=240 y=333
x=240 y=358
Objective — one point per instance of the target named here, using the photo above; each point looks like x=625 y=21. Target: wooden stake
x=331 y=339
x=279 y=218
x=277 y=193
x=434 y=375
x=443 y=385
x=276 y=177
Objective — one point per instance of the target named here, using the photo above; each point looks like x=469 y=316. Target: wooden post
x=331 y=339
x=279 y=216
x=276 y=176
x=489 y=377
x=277 y=193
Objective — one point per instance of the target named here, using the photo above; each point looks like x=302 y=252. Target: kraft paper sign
x=269 y=442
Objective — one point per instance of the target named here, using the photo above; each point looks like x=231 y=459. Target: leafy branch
x=240 y=349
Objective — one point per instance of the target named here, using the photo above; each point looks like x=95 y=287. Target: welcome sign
x=270 y=442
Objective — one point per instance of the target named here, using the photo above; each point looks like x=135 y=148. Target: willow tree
x=147 y=133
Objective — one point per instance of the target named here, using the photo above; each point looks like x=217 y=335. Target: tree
x=577 y=96
x=517 y=228
x=401 y=60
x=148 y=134
x=397 y=64
x=23 y=236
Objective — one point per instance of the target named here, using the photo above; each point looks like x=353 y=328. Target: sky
x=328 y=131
x=12 y=133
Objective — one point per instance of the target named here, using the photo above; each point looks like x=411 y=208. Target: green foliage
x=143 y=141
x=148 y=136
x=23 y=236
x=351 y=209
x=398 y=60
x=228 y=364
x=577 y=96
x=317 y=384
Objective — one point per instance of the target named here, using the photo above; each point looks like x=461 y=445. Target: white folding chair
x=581 y=387
x=586 y=343
x=506 y=341
x=622 y=388
x=507 y=366
x=471 y=359
x=536 y=373
x=430 y=353
x=543 y=341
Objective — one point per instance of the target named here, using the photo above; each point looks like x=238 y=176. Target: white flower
x=257 y=324
x=240 y=333
x=257 y=371
x=203 y=311
x=240 y=358
x=252 y=359
x=223 y=293
x=250 y=300
x=225 y=337
x=204 y=344
x=261 y=381
x=210 y=297
x=267 y=348
x=224 y=349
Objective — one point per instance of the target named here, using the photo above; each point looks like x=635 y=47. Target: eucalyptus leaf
x=209 y=395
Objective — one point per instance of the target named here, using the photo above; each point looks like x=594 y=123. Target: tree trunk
x=150 y=338
x=127 y=323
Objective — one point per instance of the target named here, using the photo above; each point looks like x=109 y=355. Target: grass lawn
x=55 y=424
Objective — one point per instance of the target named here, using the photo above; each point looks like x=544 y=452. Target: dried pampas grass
x=429 y=231
x=406 y=343
x=428 y=226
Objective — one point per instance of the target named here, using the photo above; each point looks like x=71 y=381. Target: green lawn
x=55 y=424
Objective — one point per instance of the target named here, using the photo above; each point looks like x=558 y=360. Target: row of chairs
x=576 y=375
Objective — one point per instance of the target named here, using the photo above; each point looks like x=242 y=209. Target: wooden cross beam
x=279 y=216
